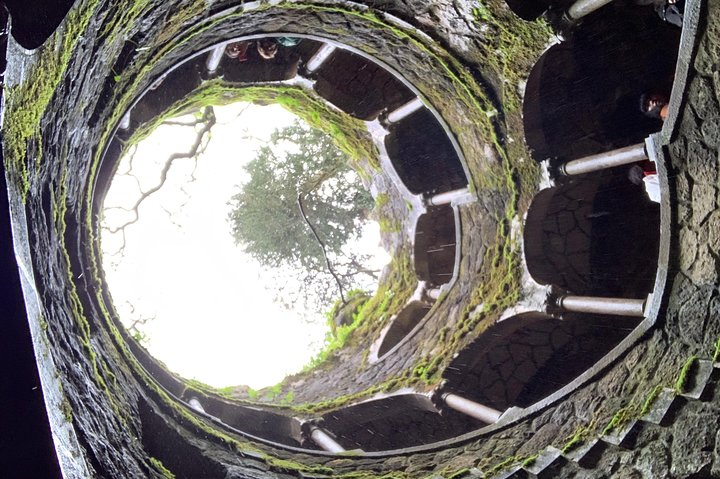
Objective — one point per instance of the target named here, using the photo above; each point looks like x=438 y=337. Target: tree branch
x=208 y=121
x=322 y=246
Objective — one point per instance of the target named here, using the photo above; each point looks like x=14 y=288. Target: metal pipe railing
x=196 y=405
x=125 y=121
x=319 y=58
x=447 y=197
x=434 y=293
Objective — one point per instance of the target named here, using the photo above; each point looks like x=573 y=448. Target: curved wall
x=122 y=421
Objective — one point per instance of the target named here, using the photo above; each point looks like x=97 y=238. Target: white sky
x=215 y=319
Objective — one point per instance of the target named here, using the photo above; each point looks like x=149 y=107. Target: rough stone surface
x=122 y=423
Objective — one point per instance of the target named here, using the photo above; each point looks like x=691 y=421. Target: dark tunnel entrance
x=402 y=325
x=395 y=422
x=33 y=21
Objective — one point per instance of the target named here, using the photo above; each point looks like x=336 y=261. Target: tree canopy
x=267 y=222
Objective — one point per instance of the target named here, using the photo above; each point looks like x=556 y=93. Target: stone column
x=213 y=60
x=602 y=161
x=125 y=121
x=196 y=405
x=405 y=110
x=448 y=197
x=599 y=305
x=319 y=58
x=434 y=293
x=582 y=8
x=478 y=411
x=324 y=440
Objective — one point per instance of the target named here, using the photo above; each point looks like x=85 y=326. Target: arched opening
x=526 y=357
x=34 y=21
x=402 y=325
x=359 y=87
x=423 y=155
x=435 y=245
x=594 y=236
x=583 y=95
x=528 y=9
x=400 y=421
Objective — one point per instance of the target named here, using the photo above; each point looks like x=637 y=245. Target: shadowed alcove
x=423 y=156
x=435 y=245
x=583 y=94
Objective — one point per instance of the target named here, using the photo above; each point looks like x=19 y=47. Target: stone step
x=551 y=458
x=588 y=447
x=514 y=472
x=547 y=460
x=660 y=407
x=702 y=369
x=618 y=435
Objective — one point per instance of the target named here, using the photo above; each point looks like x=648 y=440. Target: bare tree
x=202 y=124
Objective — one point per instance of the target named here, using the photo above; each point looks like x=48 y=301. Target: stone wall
x=126 y=427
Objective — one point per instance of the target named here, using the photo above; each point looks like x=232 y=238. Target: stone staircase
x=666 y=408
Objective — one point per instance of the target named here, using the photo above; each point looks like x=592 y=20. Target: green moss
x=529 y=461
x=500 y=466
x=573 y=443
x=427 y=370
x=66 y=409
x=120 y=21
x=288 y=465
x=650 y=400
x=388 y=225
x=381 y=200
x=620 y=418
x=499 y=284
x=160 y=467
x=578 y=437
x=199 y=387
x=512 y=48
x=58 y=201
x=460 y=473
x=716 y=352
x=272 y=392
x=288 y=398
x=349 y=134
x=682 y=380
x=337 y=336
x=27 y=102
